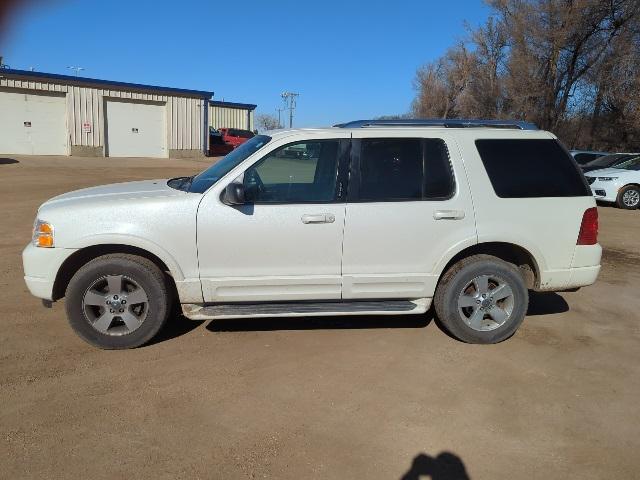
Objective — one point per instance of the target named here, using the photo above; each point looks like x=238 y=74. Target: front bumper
x=605 y=191
x=41 y=266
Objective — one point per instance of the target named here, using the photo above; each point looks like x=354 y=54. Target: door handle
x=448 y=215
x=318 y=218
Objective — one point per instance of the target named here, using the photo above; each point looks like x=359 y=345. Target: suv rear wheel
x=482 y=299
x=118 y=301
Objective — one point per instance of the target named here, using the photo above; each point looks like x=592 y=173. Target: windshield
x=215 y=172
x=631 y=164
x=606 y=161
x=240 y=133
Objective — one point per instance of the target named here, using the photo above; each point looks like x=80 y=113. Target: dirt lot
x=316 y=398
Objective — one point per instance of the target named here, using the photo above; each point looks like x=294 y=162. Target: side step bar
x=305 y=309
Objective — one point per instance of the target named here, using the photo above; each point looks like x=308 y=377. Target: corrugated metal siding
x=86 y=105
x=226 y=117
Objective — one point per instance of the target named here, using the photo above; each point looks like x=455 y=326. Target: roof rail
x=444 y=122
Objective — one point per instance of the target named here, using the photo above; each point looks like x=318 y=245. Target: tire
x=468 y=316
x=629 y=197
x=120 y=324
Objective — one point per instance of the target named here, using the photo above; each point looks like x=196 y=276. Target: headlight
x=607 y=179
x=42 y=234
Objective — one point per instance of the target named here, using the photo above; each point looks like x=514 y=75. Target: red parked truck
x=224 y=140
x=235 y=136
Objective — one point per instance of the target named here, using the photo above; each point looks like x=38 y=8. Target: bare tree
x=267 y=122
x=571 y=66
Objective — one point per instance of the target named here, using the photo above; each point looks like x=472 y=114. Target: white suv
x=368 y=217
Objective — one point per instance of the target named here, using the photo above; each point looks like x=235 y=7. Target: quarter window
x=393 y=169
x=297 y=173
x=527 y=168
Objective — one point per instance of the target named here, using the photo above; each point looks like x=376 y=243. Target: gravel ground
x=336 y=397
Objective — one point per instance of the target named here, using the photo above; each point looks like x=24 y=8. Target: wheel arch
x=83 y=255
x=509 y=252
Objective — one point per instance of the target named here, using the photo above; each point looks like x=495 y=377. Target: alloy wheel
x=631 y=198
x=486 y=303
x=115 y=305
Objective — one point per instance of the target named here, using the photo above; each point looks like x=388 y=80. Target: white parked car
x=619 y=184
x=374 y=217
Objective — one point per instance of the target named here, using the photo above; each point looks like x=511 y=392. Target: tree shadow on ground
x=446 y=466
x=8 y=161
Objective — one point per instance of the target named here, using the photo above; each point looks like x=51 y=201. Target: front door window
x=304 y=172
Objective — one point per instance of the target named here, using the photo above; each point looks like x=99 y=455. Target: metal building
x=231 y=115
x=48 y=114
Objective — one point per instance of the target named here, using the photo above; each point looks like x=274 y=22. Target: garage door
x=32 y=124
x=135 y=130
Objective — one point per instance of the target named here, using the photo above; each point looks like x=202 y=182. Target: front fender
x=132 y=241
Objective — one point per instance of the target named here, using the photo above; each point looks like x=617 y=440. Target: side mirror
x=234 y=194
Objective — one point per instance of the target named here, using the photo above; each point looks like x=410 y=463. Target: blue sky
x=348 y=59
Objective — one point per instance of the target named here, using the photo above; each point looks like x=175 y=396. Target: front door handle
x=318 y=218
x=448 y=215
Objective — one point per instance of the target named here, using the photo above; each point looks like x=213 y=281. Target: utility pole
x=290 y=99
x=76 y=69
x=279 y=110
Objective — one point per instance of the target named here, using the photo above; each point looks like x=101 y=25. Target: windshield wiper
x=188 y=182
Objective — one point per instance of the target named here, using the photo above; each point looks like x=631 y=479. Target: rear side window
x=530 y=168
x=393 y=169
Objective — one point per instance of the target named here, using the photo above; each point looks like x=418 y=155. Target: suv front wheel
x=118 y=301
x=482 y=299
x=629 y=197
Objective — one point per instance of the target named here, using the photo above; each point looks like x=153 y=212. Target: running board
x=305 y=309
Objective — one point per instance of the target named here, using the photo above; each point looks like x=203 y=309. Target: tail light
x=589 y=227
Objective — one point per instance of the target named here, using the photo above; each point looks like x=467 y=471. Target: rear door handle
x=318 y=218
x=448 y=215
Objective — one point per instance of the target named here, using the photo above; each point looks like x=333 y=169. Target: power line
x=76 y=69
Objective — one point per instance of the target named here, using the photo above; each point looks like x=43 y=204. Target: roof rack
x=445 y=122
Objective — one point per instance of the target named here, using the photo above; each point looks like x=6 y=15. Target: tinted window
x=404 y=169
x=297 y=173
x=530 y=168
